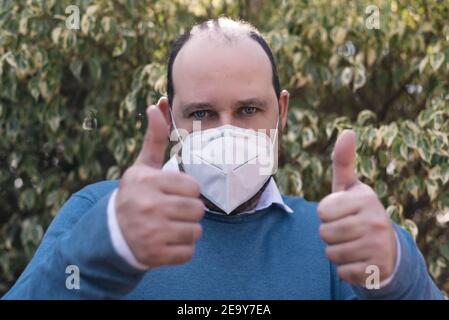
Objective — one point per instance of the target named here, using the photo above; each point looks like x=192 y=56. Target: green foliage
x=71 y=103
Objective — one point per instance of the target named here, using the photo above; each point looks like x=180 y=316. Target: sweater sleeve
x=77 y=239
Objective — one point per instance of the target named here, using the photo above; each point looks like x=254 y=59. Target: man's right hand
x=158 y=211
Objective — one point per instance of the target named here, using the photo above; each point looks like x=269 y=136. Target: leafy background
x=71 y=103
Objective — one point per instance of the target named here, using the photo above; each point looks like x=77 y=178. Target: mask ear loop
x=274 y=142
x=277 y=129
x=178 y=156
x=174 y=126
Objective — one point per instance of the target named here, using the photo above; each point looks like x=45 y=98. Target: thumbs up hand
x=158 y=211
x=354 y=223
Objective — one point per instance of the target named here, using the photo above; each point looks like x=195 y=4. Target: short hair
x=229 y=30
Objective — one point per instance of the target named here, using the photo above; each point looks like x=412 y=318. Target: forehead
x=207 y=68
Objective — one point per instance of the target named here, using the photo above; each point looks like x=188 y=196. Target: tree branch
x=393 y=97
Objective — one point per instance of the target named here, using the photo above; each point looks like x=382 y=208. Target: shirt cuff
x=385 y=282
x=118 y=241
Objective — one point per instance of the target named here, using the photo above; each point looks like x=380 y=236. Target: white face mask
x=231 y=164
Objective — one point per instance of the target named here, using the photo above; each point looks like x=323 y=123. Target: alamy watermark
x=228 y=146
x=72 y=281
x=373 y=280
x=373 y=19
x=72 y=22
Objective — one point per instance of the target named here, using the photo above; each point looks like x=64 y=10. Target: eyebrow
x=188 y=108
x=256 y=102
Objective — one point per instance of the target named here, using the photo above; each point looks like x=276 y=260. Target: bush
x=71 y=103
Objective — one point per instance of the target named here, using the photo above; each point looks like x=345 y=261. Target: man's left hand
x=355 y=225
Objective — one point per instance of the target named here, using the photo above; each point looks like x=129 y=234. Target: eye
x=199 y=114
x=248 y=110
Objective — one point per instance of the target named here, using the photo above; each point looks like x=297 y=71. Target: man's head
x=223 y=72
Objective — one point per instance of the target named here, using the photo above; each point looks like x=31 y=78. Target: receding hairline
x=225 y=30
x=222 y=32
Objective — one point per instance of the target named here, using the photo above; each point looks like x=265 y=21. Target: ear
x=283 y=107
x=164 y=107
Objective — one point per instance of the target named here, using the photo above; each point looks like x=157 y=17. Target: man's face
x=218 y=83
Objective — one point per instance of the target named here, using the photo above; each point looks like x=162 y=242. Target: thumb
x=343 y=161
x=155 y=141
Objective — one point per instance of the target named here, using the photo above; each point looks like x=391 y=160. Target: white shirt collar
x=269 y=196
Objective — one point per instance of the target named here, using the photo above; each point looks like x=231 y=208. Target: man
x=168 y=231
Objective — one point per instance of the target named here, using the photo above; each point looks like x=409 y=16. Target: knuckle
x=197 y=231
x=160 y=208
x=330 y=253
x=344 y=273
x=361 y=273
x=342 y=230
x=151 y=206
x=198 y=209
x=363 y=269
x=354 y=276
x=149 y=234
x=154 y=229
x=183 y=256
x=187 y=235
x=321 y=209
x=187 y=181
x=342 y=255
x=337 y=254
x=379 y=222
x=193 y=185
x=352 y=224
x=188 y=254
x=156 y=254
x=163 y=225
x=324 y=232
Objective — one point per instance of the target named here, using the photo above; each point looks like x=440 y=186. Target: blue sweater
x=270 y=254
